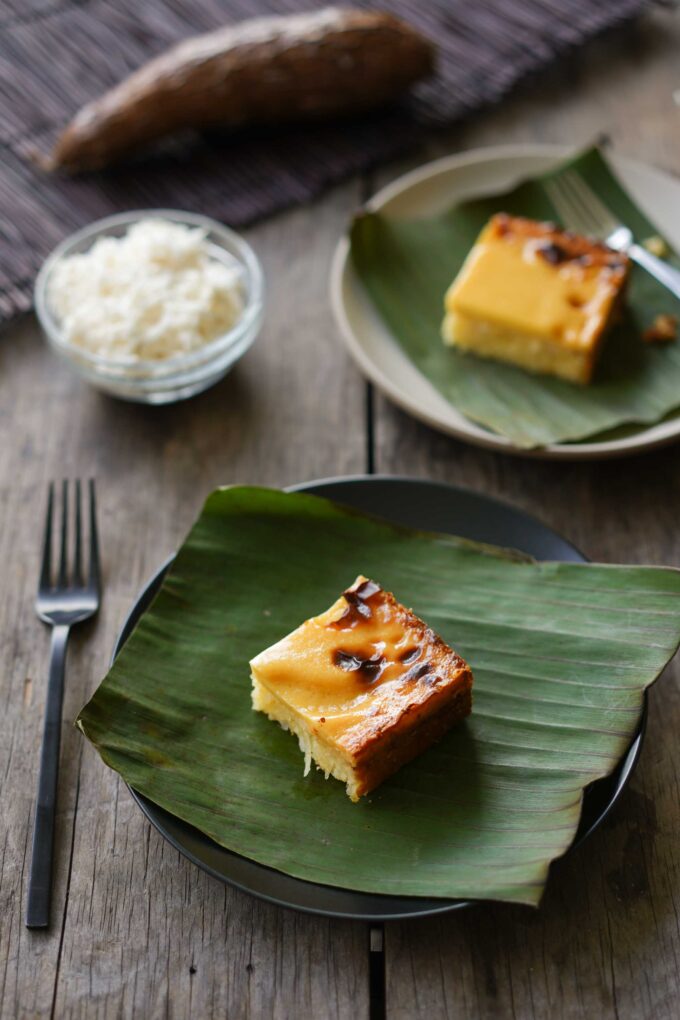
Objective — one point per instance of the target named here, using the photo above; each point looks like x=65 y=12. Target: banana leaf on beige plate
x=406 y=265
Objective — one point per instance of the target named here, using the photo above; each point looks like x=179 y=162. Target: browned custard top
x=539 y=280
x=365 y=659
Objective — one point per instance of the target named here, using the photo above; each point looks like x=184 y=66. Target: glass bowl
x=164 y=380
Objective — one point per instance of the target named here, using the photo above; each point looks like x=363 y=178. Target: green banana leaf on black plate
x=406 y=267
x=561 y=655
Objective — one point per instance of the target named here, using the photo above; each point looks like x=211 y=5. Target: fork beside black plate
x=65 y=598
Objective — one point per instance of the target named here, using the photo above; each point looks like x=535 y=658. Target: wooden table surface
x=137 y=930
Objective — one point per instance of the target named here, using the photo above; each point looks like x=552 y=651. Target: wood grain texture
x=606 y=941
x=137 y=930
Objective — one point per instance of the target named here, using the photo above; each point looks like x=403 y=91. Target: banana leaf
x=561 y=655
x=407 y=265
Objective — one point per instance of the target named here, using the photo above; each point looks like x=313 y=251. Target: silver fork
x=62 y=602
x=581 y=210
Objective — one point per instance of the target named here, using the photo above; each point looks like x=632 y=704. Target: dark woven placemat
x=57 y=54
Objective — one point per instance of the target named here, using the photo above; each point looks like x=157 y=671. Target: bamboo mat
x=57 y=54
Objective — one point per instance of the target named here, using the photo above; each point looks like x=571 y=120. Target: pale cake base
x=396 y=749
x=326 y=758
x=532 y=353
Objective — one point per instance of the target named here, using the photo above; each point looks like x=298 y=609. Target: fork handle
x=40 y=883
x=656 y=267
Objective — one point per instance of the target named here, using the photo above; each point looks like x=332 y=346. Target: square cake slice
x=365 y=687
x=536 y=296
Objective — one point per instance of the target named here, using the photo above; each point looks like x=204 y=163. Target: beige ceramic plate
x=432 y=189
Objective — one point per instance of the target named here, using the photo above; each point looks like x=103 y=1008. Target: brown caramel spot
x=369 y=667
x=418 y=672
x=358 y=607
x=575 y=301
x=553 y=253
x=367 y=589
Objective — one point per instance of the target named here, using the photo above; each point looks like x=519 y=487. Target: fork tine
x=78 y=555
x=46 y=566
x=93 y=579
x=563 y=205
x=591 y=202
x=569 y=208
x=586 y=217
x=64 y=535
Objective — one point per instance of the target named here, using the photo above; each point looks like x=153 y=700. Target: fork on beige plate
x=581 y=210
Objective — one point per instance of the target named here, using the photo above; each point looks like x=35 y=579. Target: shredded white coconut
x=154 y=293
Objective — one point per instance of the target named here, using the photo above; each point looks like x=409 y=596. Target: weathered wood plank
x=606 y=941
x=137 y=930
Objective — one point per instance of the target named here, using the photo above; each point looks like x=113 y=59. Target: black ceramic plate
x=420 y=504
